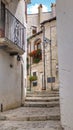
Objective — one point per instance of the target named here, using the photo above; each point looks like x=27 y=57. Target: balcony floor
x=10 y=47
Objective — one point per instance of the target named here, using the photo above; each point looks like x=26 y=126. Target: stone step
x=30 y=125
x=43 y=92
x=31 y=111
x=50 y=94
x=35 y=118
x=32 y=114
x=57 y=128
x=41 y=104
x=41 y=99
x=42 y=95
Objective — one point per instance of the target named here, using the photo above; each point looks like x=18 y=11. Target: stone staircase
x=41 y=111
x=47 y=104
x=43 y=93
x=42 y=99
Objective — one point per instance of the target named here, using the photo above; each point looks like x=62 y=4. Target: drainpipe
x=51 y=56
x=43 y=29
x=30 y=64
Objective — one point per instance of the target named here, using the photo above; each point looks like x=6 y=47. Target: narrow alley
x=40 y=112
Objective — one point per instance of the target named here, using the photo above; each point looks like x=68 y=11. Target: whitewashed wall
x=10 y=81
x=65 y=51
x=17 y=7
x=10 y=78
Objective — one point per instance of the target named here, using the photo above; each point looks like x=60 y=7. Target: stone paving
x=36 y=125
x=31 y=118
x=24 y=114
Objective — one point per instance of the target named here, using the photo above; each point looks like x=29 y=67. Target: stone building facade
x=34 y=20
x=13 y=51
x=37 y=43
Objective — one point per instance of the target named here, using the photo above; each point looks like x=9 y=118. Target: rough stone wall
x=36 y=19
x=50 y=33
x=49 y=27
x=32 y=20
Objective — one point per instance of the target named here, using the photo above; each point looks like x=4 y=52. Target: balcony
x=12 y=33
x=36 y=55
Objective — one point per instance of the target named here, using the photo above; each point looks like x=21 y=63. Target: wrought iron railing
x=11 y=28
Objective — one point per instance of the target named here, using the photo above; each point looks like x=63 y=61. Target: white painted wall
x=10 y=78
x=65 y=51
x=10 y=81
x=17 y=7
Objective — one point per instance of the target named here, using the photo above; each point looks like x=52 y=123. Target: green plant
x=35 y=53
x=36 y=60
x=27 y=63
x=27 y=66
x=33 y=78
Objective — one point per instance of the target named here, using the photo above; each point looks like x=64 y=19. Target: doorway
x=41 y=81
x=22 y=85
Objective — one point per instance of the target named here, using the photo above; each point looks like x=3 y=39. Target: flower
x=35 y=53
x=32 y=53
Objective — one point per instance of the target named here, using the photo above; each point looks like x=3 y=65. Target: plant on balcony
x=33 y=78
x=36 y=55
x=35 y=52
x=36 y=60
x=32 y=53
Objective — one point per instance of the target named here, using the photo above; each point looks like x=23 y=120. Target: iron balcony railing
x=11 y=28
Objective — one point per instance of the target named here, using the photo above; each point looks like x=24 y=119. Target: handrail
x=12 y=28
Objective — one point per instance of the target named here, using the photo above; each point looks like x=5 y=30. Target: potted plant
x=33 y=78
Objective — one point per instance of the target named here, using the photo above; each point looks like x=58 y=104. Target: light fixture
x=18 y=58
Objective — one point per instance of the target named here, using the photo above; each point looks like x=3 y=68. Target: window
x=34 y=31
x=34 y=83
x=50 y=79
x=38 y=46
x=34 y=73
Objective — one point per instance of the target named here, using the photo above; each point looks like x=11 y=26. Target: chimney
x=39 y=14
x=53 y=7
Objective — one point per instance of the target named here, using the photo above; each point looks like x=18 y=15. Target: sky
x=33 y=7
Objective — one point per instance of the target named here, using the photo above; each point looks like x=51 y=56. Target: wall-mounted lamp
x=18 y=57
